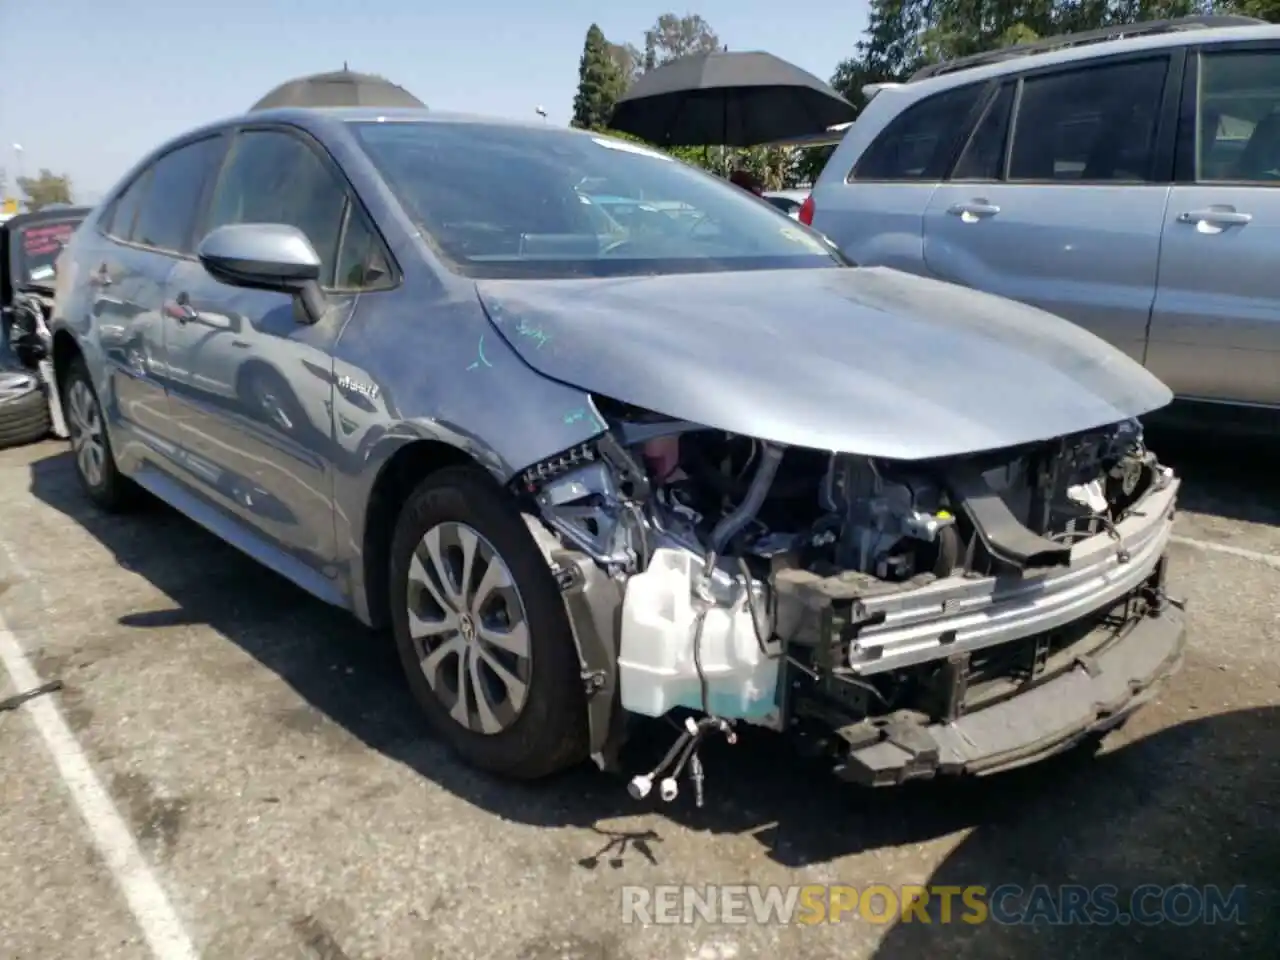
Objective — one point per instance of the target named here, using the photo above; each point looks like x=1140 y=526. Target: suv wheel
x=95 y=463
x=482 y=631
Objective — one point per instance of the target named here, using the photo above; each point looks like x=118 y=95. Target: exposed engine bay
x=786 y=587
x=830 y=513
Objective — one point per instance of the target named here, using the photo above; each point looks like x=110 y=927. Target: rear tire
x=90 y=445
x=24 y=409
x=522 y=717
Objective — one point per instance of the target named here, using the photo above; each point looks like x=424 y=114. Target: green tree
x=1268 y=10
x=45 y=189
x=600 y=82
x=672 y=37
x=628 y=59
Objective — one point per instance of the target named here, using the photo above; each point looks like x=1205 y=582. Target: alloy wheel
x=469 y=629
x=86 y=432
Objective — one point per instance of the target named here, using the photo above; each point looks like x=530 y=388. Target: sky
x=113 y=80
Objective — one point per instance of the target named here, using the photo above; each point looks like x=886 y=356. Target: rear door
x=133 y=277
x=1058 y=198
x=1215 y=330
x=122 y=308
x=875 y=215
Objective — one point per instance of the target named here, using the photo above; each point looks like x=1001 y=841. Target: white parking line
x=1270 y=559
x=147 y=900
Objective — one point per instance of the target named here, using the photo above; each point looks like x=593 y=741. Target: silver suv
x=1127 y=180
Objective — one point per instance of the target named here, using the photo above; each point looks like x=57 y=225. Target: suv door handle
x=180 y=309
x=101 y=277
x=971 y=210
x=1217 y=216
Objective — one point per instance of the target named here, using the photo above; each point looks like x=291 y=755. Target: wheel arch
x=400 y=475
x=65 y=350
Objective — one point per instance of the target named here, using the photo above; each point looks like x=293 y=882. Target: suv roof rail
x=1063 y=41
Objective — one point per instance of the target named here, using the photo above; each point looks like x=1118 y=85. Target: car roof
x=958 y=75
x=334 y=117
x=330 y=121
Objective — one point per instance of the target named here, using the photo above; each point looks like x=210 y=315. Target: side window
x=917 y=144
x=983 y=157
x=1095 y=124
x=173 y=199
x=1238 y=117
x=361 y=261
x=275 y=177
x=125 y=212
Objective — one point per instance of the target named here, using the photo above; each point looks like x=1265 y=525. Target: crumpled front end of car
x=903 y=618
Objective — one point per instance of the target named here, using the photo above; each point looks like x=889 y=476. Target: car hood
x=853 y=360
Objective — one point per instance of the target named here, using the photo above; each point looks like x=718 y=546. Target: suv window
x=1238 y=117
x=916 y=145
x=125 y=211
x=1092 y=124
x=276 y=177
x=177 y=183
x=983 y=157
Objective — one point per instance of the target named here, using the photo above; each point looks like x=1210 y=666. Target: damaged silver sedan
x=685 y=463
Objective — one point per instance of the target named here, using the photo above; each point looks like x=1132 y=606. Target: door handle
x=101 y=277
x=971 y=210
x=1217 y=216
x=180 y=309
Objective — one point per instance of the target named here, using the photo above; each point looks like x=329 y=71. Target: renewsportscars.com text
x=1007 y=904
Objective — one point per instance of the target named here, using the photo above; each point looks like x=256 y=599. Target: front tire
x=95 y=463
x=482 y=631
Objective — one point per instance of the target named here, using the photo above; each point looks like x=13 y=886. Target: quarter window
x=917 y=144
x=177 y=182
x=361 y=263
x=1096 y=124
x=275 y=177
x=1238 y=117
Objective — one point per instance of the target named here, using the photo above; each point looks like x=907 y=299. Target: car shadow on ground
x=1193 y=804
x=1073 y=815
x=1225 y=475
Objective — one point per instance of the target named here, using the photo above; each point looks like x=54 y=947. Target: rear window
x=919 y=142
x=38 y=248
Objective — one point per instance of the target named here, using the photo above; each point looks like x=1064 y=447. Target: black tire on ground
x=549 y=733
x=111 y=491
x=24 y=409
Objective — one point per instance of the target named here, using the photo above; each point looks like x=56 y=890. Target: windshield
x=38 y=248
x=508 y=201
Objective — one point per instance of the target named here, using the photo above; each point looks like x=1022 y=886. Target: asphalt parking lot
x=231 y=770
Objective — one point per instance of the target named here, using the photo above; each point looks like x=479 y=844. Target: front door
x=253 y=385
x=252 y=396
x=1215 y=330
x=1064 y=210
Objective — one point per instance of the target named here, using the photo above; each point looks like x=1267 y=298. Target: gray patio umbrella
x=341 y=88
x=730 y=99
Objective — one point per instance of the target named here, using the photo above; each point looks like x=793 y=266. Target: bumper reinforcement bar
x=1057 y=714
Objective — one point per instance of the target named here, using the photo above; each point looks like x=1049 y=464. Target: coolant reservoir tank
x=657 y=670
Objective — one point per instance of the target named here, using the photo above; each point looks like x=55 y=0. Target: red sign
x=39 y=241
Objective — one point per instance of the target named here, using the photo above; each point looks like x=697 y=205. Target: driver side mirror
x=266 y=256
